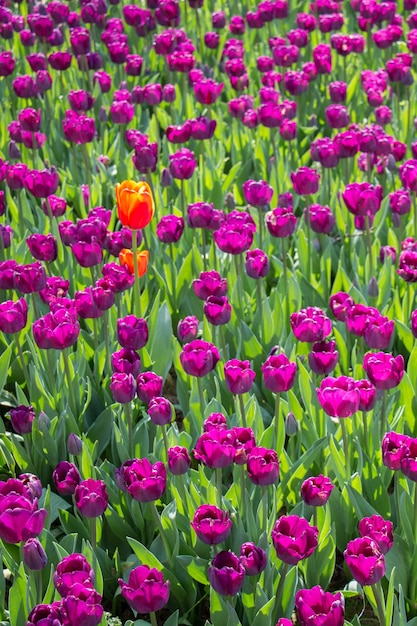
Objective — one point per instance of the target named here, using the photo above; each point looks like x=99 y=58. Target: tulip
x=310 y=324
x=187 y=329
x=226 y=573
x=199 y=357
x=316 y=606
x=209 y=284
x=170 y=228
x=211 y=525
x=160 y=411
x=216 y=448
x=127 y=260
x=253 y=558
x=340 y=303
x=238 y=376
x=257 y=193
x=383 y=369
x=378 y=529
x=305 y=181
x=294 y=539
x=13 y=315
x=34 y=555
x=179 y=460
x=365 y=561
x=144 y=482
x=315 y=491
x=22 y=418
x=339 y=397
x=323 y=357
x=135 y=204
x=126 y=361
x=149 y=386
x=146 y=590
x=215 y=421
x=217 y=310
x=66 y=478
x=256 y=264
x=263 y=466
x=91 y=497
x=123 y=387
x=20 y=517
x=132 y=332
x=43 y=247
x=281 y=222
x=72 y=571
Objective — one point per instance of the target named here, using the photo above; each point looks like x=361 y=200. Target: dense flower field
x=208 y=250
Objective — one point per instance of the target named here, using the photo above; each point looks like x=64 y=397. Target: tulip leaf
x=196 y=568
x=101 y=430
x=4 y=366
x=18 y=598
x=222 y=612
x=172 y=619
x=263 y=616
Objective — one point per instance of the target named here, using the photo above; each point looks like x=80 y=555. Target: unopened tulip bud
x=373 y=288
x=291 y=425
x=74 y=444
x=34 y=555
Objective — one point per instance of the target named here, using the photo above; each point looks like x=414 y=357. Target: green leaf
x=196 y=568
x=4 y=366
x=172 y=619
x=18 y=598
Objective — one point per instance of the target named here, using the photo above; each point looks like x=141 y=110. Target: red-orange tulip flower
x=135 y=204
x=126 y=258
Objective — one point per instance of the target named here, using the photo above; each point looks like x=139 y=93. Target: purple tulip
x=339 y=397
x=215 y=421
x=209 y=284
x=132 y=332
x=263 y=466
x=91 y=497
x=187 y=329
x=310 y=324
x=321 y=218
x=29 y=278
x=22 y=418
x=160 y=411
x=365 y=561
x=170 y=228
x=323 y=357
x=383 y=369
x=226 y=573
x=294 y=539
x=316 y=606
x=211 y=525
x=42 y=183
x=34 y=555
x=123 y=387
x=378 y=529
x=234 y=238
x=66 y=478
x=142 y=480
x=362 y=198
x=256 y=263
x=20 y=517
x=367 y=393
x=126 y=361
x=43 y=247
x=182 y=164
x=340 y=303
x=58 y=329
x=149 y=385
x=216 y=448
x=281 y=221
x=179 y=460
x=146 y=590
x=305 y=181
x=238 y=376
x=257 y=193
x=73 y=571
x=315 y=491
x=199 y=357
x=395 y=447
x=278 y=373
x=82 y=606
x=13 y=315
x=253 y=558
x=217 y=310
x=409 y=460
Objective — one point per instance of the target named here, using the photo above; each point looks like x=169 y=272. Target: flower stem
x=383 y=412
x=152 y=615
x=72 y=402
x=93 y=529
x=277 y=407
x=345 y=447
x=259 y=305
x=106 y=340
x=286 y=294
x=22 y=360
x=136 y=290
x=369 y=245
x=242 y=410
x=165 y=438
x=219 y=476
x=182 y=199
x=278 y=595
x=161 y=530
x=380 y=602
x=365 y=430
x=131 y=444
x=201 y=394
x=308 y=243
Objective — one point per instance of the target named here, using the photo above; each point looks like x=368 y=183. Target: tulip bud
x=291 y=425
x=43 y=421
x=74 y=444
x=373 y=289
x=34 y=555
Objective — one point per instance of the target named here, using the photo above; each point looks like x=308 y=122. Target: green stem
x=72 y=402
x=369 y=246
x=201 y=394
x=152 y=615
x=131 y=443
x=136 y=290
x=365 y=430
x=203 y=243
x=278 y=595
x=265 y=508
x=87 y=165
x=345 y=446
x=35 y=306
x=107 y=340
x=219 y=476
x=308 y=244
x=242 y=409
x=260 y=220
x=315 y=516
x=182 y=199
x=286 y=295
x=276 y=418
x=259 y=303
x=22 y=360
x=161 y=530
x=150 y=183
x=239 y=284
x=165 y=438
x=243 y=495
x=93 y=530
x=383 y=412
x=380 y=602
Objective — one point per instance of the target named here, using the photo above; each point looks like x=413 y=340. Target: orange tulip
x=126 y=258
x=135 y=204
